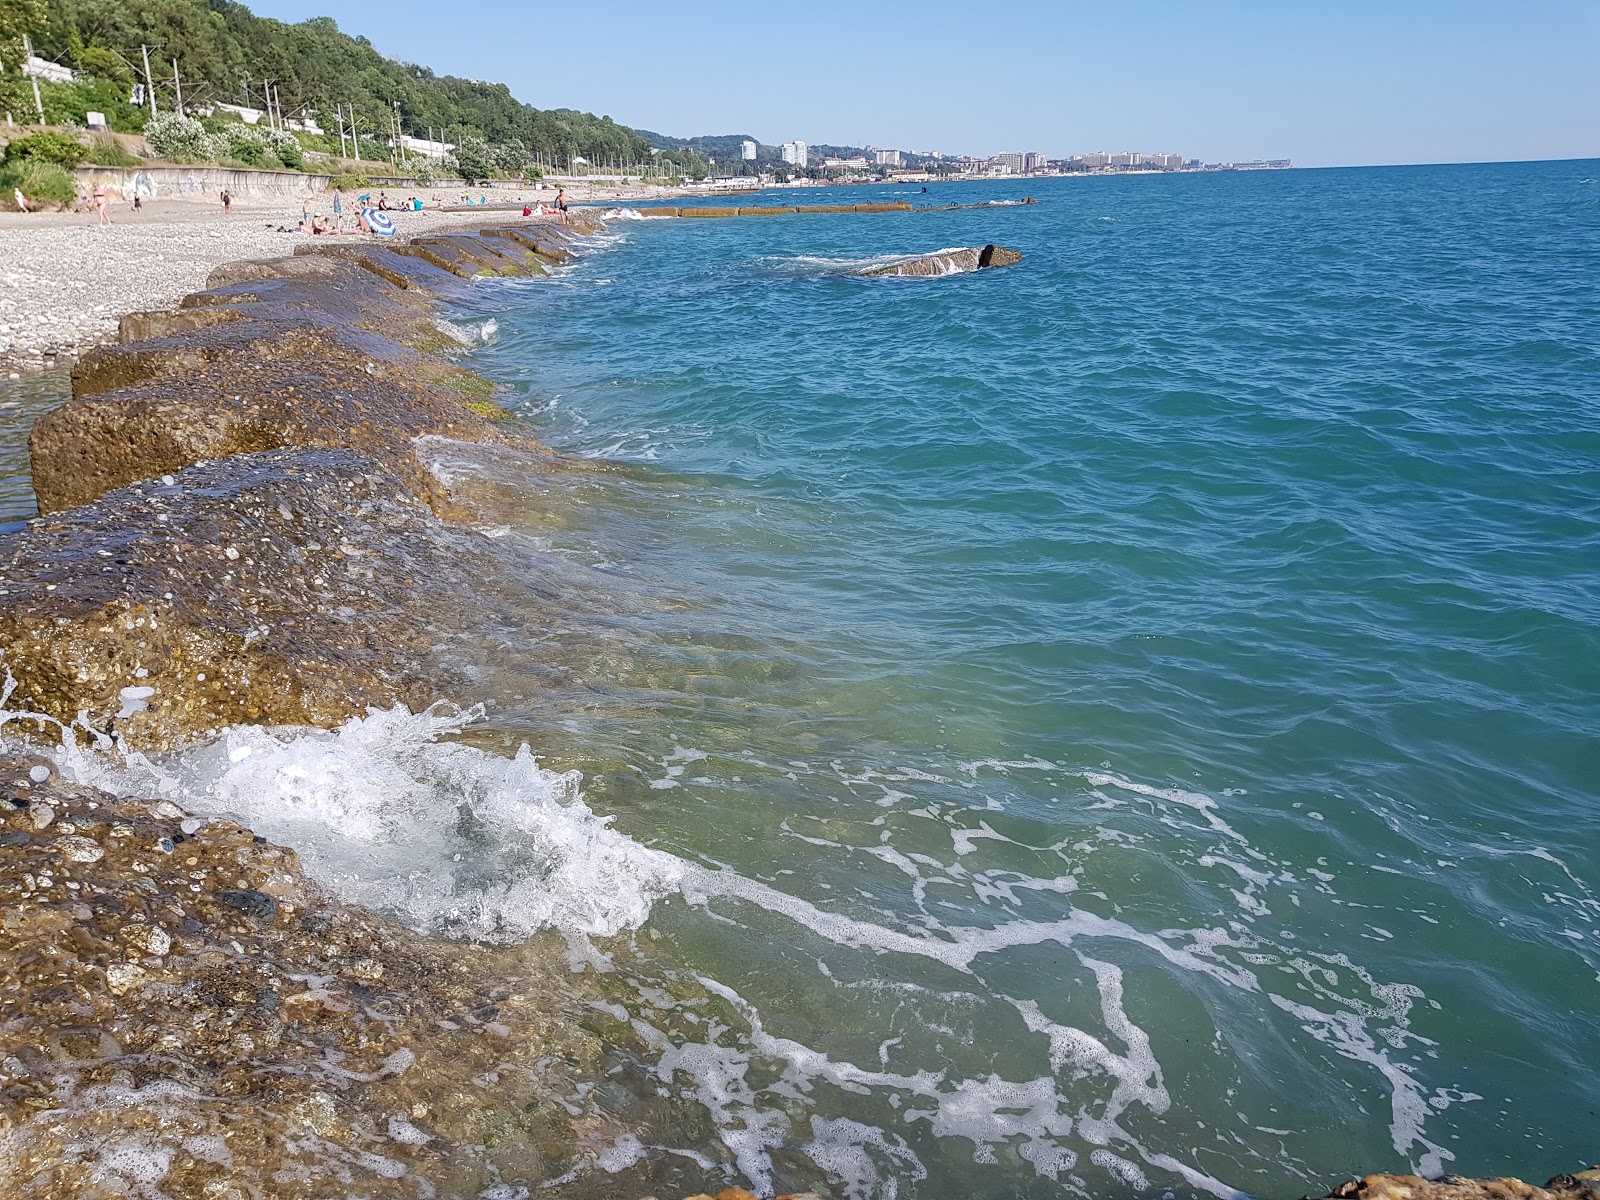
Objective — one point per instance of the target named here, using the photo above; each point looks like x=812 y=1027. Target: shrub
x=532 y=174
x=476 y=158
x=287 y=147
x=106 y=151
x=46 y=148
x=182 y=139
x=43 y=183
x=73 y=102
x=349 y=183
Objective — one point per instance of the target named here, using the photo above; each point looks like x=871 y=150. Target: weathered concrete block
x=295 y=586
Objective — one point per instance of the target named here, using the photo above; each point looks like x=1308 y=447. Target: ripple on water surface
x=1121 y=722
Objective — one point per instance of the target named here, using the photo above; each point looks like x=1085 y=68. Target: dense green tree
x=226 y=53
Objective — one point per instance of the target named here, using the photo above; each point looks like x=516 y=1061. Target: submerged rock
x=951 y=262
x=158 y=1039
x=292 y=586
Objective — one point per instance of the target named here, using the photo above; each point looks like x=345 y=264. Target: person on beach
x=227 y=201
x=561 y=203
x=22 y=201
x=101 y=203
x=138 y=202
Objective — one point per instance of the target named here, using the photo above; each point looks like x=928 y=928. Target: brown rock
x=998 y=256
x=299 y=364
x=214 y=1057
x=1584 y=1185
x=950 y=262
x=291 y=587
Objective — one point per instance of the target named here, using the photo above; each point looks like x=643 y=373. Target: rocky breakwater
x=1582 y=1185
x=950 y=262
x=238 y=526
x=184 y=1014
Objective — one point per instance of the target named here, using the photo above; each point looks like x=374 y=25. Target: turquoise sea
x=1121 y=724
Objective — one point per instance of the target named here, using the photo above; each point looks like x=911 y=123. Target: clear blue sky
x=1337 y=82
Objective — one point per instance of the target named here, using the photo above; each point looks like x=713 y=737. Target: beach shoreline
x=66 y=281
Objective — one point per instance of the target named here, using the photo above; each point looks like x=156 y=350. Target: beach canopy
x=378 y=222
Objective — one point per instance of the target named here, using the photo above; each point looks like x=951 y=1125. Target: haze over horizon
x=1363 y=83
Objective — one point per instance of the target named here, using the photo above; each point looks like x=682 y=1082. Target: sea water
x=1122 y=723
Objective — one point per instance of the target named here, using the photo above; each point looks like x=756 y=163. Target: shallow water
x=1123 y=722
x=22 y=402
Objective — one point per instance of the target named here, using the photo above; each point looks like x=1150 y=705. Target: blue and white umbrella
x=378 y=222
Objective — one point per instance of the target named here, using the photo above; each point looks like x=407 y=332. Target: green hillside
x=226 y=53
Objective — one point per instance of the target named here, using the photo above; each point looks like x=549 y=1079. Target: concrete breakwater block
x=657 y=212
x=708 y=211
x=171 y=978
x=287 y=587
x=299 y=364
x=951 y=262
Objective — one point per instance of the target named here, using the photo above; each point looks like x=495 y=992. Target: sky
x=1341 y=82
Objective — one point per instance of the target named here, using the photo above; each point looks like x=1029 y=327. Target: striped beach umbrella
x=378 y=222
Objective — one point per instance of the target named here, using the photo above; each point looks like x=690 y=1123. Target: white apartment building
x=747 y=150
x=886 y=158
x=795 y=152
x=1015 y=164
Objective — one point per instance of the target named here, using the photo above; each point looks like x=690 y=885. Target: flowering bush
x=182 y=139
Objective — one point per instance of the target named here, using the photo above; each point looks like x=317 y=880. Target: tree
x=475 y=157
x=18 y=19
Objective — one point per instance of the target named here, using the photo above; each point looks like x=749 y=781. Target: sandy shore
x=65 y=281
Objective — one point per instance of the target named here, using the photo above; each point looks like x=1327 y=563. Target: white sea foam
x=394 y=814
x=450 y=838
x=469 y=333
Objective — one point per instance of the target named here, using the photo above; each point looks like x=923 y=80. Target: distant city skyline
x=1359 y=82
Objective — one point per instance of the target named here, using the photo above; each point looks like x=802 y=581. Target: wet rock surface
x=291 y=586
x=339 y=358
x=1584 y=1185
x=951 y=262
x=183 y=1014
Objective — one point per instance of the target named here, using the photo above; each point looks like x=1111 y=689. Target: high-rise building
x=887 y=158
x=1034 y=161
x=1014 y=163
x=794 y=152
x=747 y=150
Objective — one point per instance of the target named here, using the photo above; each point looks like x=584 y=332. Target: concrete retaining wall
x=201 y=182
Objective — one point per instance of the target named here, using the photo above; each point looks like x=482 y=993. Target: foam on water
x=453 y=839
x=449 y=838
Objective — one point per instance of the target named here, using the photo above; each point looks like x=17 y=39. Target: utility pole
x=338 y=115
x=149 y=79
x=177 y=86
